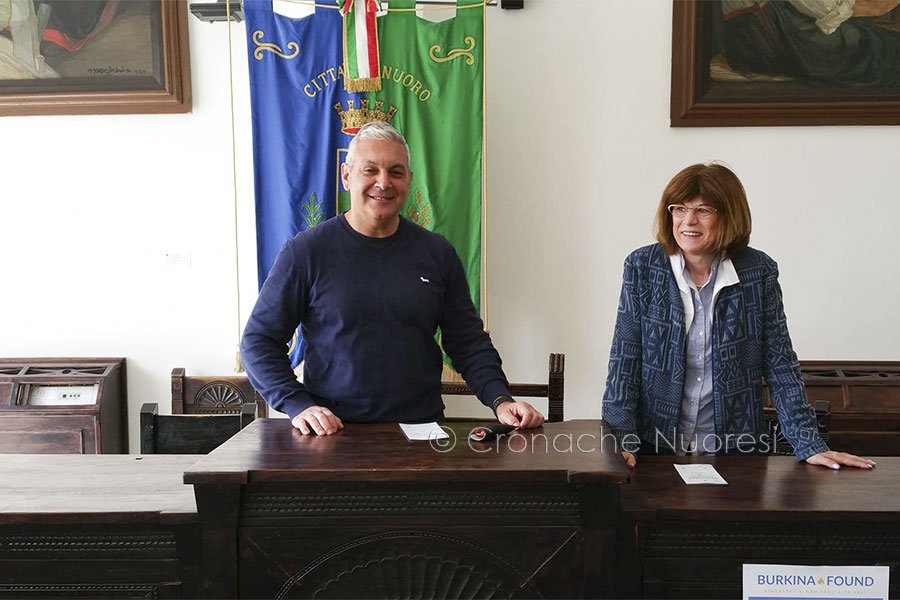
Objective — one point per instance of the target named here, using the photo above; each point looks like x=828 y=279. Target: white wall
x=579 y=151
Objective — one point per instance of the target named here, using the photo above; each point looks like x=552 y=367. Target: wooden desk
x=680 y=541
x=365 y=513
x=96 y=526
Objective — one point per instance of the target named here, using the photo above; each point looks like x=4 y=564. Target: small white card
x=700 y=474
x=423 y=431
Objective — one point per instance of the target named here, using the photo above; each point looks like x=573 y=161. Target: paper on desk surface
x=700 y=474
x=423 y=431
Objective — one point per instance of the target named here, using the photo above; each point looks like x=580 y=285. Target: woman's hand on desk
x=830 y=459
x=520 y=414
x=318 y=420
x=834 y=460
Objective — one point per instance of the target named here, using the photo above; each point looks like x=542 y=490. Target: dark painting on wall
x=94 y=57
x=785 y=62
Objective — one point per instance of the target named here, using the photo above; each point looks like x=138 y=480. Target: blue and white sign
x=796 y=582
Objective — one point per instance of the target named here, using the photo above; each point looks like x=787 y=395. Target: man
x=370 y=290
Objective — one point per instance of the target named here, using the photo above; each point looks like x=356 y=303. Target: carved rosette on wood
x=408 y=565
x=215 y=396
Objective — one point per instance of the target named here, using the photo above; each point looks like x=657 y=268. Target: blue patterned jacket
x=750 y=340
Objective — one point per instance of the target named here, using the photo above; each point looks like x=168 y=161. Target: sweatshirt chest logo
x=425 y=280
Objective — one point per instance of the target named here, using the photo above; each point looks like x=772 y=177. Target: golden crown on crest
x=353 y=118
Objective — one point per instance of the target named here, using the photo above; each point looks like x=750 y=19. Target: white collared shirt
x=726 y=276
x=696 y=423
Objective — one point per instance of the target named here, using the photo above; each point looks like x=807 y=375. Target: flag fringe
x=238 y=362
x=363 y=84
x=450 y=376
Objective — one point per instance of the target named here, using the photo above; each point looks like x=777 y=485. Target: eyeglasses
x=703 y=211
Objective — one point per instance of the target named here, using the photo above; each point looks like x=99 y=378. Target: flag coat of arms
x=303 y=121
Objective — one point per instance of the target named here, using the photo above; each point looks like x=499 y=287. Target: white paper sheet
x=700 y=474
x=423 y=431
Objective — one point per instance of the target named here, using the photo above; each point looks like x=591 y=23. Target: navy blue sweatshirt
x=369 y=310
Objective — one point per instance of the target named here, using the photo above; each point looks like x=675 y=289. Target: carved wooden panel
x=88 y=590
x=218 y=395
x=89 y=546
x=718 y=549
x=213 y=394
x=343 y=541
x=762 y=543
x=263 y=503
x=411 y=561
x=408 y=565
x=105 y=560
x=73 y=370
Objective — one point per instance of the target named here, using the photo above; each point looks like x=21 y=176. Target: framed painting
x=785 y=62
x=94 y=57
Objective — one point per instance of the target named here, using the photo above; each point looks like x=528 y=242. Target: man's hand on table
x=321 y=421
x=520 y=414
x=318 y=420
x=630 y=459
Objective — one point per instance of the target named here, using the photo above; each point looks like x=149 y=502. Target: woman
x=700 y=322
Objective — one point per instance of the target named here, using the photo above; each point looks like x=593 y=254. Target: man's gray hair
x=376 y=130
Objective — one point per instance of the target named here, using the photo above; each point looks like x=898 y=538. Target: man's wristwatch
x=498 y=401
